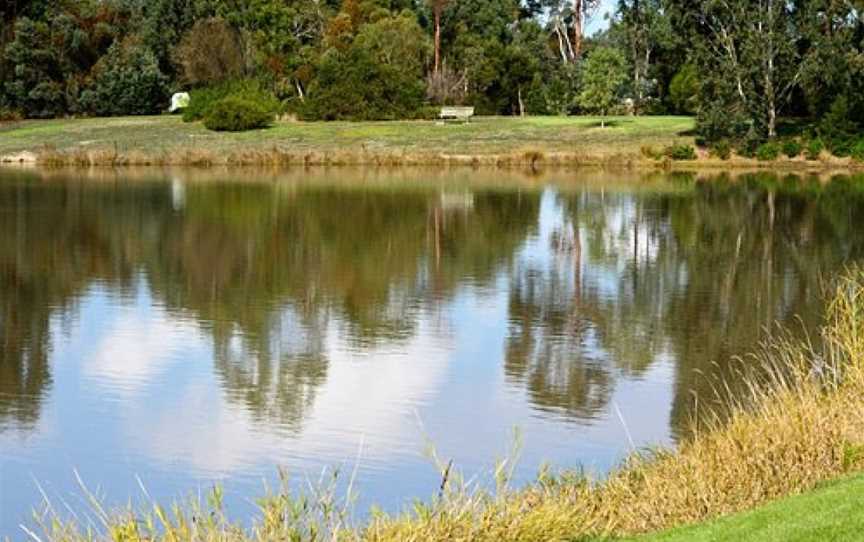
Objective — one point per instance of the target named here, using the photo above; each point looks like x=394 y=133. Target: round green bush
x=202 y=99
x=792 y=148
x=722 y=149
x=749 y=144
x=814 y=149
x=767 y=152
x=858 y=151
x=681 y=152
x=234 y=114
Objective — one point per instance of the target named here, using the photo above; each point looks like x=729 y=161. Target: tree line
x=741 y=66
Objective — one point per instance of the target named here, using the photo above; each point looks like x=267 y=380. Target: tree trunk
x=578 y=14
x=437 y=38
x=564 y=56
x=300 y=92
x=521 y=104
x=770 y=91
x=772 y=117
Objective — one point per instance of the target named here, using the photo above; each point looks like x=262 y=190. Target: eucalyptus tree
x=437 y=11
x=644 y=30
x=834 y=65
x=567 y=20
x=749 y=53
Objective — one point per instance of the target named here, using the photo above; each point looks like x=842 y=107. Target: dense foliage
x=741 y=66
x=236 y=114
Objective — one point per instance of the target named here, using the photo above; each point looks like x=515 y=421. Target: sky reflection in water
x=197 y=331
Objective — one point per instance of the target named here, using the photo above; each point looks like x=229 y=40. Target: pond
x=186 y=329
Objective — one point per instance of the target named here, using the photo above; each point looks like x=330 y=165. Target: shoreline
x=530 y=160
x=529 y=143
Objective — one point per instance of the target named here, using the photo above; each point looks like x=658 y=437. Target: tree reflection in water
x=268 y=270
x=695 y=276
x=605 y=284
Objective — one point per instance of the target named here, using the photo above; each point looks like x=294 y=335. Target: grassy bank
x=494 y=141
x=831 y=512
x=798 y=424
x=485 y=141
x=530 y=142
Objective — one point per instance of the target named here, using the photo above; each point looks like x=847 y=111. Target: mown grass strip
x=832 y=512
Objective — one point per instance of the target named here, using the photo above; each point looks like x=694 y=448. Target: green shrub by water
x=201 y=100
x=722 y=150
x=768 y=152
x=237 y=114
x=858 y=151
x=838 y=129
x=814 y=149
x=750 y=143
x=681 y=152
x=792 y=148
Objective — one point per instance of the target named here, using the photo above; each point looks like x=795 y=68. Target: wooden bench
x=459 y=114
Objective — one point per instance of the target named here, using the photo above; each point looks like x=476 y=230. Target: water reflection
x=697 y=277
x=214 y=328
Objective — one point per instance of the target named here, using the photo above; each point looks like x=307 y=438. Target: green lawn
x=485 y=135
x=834 y=512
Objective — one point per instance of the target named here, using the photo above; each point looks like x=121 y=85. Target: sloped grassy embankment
x=831 y=512
x=490 y=142
x=799 y=424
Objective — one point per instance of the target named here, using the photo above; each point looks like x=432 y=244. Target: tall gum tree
x=753 y=46
x=437 y=7
x=576 y=12
x=644 y=30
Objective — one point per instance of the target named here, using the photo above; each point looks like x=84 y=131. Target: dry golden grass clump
x=799 y=421
x=284 y=157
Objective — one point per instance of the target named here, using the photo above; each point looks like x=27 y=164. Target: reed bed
x=524 y=159
x=798 y=422
x=277 y=156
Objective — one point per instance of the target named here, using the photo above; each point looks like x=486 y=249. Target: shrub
x=722 y=149
x=720 y=116
x=355 y=86
x=237 y=114
x=792 y=148
x=858 y=151
x=837 y=129
x=684 y=90
x=428 y=112
x=650 y=152
x=814 y=149
x=379 y=76
x=201 y=100
x=768 y=152
x=10 y=115
x=750 y=143
x=126 y=81
x=680 y=152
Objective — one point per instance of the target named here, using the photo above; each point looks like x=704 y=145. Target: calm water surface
x=193 y=329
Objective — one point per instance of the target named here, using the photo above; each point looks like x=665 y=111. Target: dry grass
x=527 y=158
x=799 y=422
